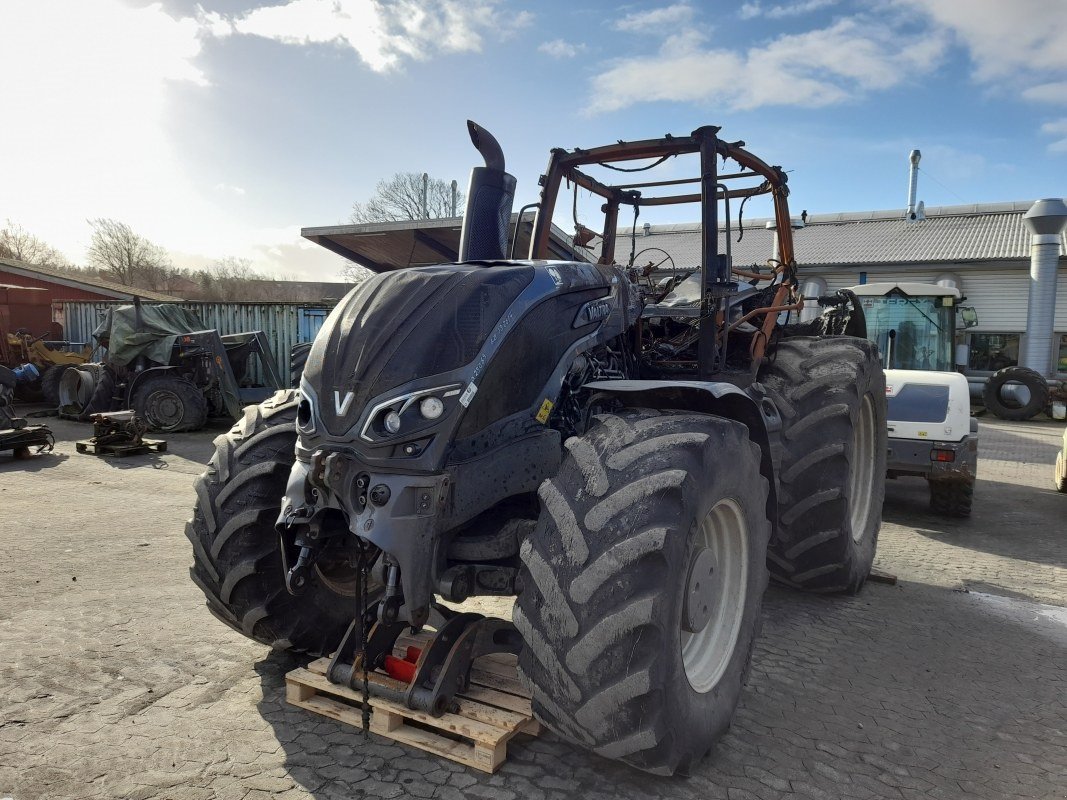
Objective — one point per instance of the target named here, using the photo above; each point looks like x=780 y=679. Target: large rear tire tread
x=600 y=605
x=951 y=498
x=50 y=383
x=818 y=385
x=237 y=559
x=298 y=359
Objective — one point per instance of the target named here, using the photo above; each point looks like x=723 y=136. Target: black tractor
x=628 y=453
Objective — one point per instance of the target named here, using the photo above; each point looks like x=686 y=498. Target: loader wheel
x=642 y=585
x=50 y=383
x=237 y=559
x=951 y=498
x=170 y=404
x=830 y=392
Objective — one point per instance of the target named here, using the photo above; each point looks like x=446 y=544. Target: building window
x=993 y=351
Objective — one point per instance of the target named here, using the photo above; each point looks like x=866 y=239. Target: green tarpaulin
x=128 y=332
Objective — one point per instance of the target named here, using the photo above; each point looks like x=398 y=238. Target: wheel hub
x=714 y=601
x=164 y=409
x=699 y=591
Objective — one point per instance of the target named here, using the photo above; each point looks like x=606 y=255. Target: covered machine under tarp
x=150 y=331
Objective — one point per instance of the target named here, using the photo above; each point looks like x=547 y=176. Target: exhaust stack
x=490 y=196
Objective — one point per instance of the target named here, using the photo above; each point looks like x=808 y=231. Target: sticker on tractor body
x=546 y=409
x=468 y=395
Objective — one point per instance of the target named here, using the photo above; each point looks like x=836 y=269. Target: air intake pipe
x=1045 y=220
x=490 y=196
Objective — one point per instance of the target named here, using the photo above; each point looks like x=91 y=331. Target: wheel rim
x=707 y=653
x=164 y=409
x=861 y=475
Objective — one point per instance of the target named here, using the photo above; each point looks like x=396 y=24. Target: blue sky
x=221 y=127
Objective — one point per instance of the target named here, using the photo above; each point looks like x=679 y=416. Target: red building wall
x=32 y=310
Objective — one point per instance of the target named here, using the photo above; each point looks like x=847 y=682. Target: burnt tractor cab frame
x=629 y=456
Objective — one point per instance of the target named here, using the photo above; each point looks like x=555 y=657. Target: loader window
x=911 y=332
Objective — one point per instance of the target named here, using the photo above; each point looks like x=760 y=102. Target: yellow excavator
x=21 y=347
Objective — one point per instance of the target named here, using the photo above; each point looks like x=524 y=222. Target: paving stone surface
x=115 y=682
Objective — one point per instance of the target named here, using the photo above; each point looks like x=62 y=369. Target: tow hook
x=296 y=579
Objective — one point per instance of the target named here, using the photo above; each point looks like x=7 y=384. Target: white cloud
x=227 y=188
x=666 y=18
x=383 y=34
x=817 y=68
x=784 y=10
x=1004 y=39
x=1048 y=93
x=1056 y=129
x=558 y=48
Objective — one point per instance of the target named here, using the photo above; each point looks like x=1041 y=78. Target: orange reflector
x=942 y=455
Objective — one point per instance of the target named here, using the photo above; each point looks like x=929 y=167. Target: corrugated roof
x=949 y=234
x=89 y=282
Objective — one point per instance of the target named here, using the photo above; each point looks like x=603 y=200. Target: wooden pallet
x=146 y=445
x=493 y=710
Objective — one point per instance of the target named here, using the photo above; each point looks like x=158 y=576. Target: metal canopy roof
x=387 y=246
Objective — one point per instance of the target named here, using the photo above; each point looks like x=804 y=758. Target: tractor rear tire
x=170 y=404
x=50 y=383
x=298 y=359
x=1031 y=379
x=237 y=557
x=951 y=498
x=830 y=392
x=611 y=574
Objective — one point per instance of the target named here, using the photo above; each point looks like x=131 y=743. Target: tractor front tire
x=951 y=498
x=642 y=585
x=237 y=558
x=830 y=392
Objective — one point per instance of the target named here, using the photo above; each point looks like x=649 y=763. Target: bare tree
x=354 y=274
x=126 y=256
x=400 y=198
x=18 y=243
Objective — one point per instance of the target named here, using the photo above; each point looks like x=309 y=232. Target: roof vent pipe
x=913 y=185
x=647 y=228
x=1045 y=220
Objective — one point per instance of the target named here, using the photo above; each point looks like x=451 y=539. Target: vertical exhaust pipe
x=913 y=183
x=490 y=196
x=1045 y=220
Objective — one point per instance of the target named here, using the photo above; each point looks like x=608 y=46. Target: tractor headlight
x=410 y=414
x=431 y=407
x=392 y=422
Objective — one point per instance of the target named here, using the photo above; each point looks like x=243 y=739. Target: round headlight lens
x=392 y=422
x=431 y=407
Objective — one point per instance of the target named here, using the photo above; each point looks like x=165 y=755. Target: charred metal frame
x=716 y=270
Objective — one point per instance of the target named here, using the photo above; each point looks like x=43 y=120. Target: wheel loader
x=629 y=468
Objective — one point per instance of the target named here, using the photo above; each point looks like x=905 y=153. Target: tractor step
x=490 y=712
x=119 y=449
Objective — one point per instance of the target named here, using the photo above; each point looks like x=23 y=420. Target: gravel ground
x=117 y=683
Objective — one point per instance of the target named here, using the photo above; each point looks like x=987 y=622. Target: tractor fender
x=751 y=408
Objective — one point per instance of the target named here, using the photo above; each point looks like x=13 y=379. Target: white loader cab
x=931 y=431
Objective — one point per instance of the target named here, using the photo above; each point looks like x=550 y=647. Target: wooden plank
x=464 y=726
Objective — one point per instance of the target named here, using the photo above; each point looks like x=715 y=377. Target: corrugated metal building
x=284 y=324
x=986 y=247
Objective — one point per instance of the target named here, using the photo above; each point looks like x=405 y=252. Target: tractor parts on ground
x=16 y=434
x=119 y=433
